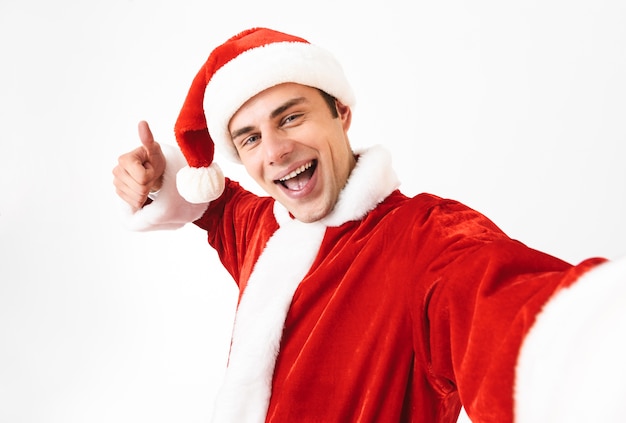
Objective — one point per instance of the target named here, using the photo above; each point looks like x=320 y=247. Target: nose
x=276 y=147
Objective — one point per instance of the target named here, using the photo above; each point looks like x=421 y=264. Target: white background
x=516 y=108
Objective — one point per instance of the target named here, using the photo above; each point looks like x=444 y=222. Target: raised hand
x=140 y=171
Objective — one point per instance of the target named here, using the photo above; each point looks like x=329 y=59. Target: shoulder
x=421 y=205
x=428 y=213
x=238 y=205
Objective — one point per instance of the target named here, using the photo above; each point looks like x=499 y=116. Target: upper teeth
x=296 y=172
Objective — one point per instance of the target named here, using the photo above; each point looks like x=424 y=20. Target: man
x=357 y=303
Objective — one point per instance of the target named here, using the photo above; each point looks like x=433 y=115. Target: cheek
x=341 y=156
x=256 y=171
x=252 y=168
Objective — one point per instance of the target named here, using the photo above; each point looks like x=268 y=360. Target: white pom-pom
x=200 y=185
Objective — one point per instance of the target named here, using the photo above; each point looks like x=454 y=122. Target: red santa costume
x=389 y=309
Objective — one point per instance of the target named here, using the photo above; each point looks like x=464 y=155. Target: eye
x=290 y=119
x=248 y=141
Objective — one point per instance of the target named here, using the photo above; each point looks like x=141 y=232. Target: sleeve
x=484 y=294
x=571 y=366
x=167 y=210
x=238 y=225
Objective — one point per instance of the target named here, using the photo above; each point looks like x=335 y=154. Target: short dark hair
x=331 y=102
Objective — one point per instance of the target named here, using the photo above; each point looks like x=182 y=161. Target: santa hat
x=236 y=71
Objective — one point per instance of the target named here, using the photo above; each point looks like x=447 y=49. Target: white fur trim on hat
x=260 y=68
x=200 y=185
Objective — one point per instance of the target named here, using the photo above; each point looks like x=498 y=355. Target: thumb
x=146 y=137
x=151 y=155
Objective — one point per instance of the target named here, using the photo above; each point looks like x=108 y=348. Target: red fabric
x=404 y=316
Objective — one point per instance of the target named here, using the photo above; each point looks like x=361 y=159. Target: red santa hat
x=236 y=71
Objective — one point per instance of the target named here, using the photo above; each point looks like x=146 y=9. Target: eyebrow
x=275 y=113
x=286 y=105
x=240 y=132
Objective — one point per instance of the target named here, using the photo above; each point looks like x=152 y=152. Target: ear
x=345 y=114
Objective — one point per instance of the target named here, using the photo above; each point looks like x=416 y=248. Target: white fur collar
x=246 y=391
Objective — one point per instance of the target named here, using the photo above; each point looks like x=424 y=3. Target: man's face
x=294 y=149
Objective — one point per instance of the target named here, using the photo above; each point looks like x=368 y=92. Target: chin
x=309 y=216
x=305 y=217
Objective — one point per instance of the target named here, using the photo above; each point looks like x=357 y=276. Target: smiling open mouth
x=298 y=179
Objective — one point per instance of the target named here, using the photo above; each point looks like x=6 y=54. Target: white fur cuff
x=572 y=366
x=168 y=210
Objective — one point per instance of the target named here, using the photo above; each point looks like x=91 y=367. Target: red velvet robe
x=392 y=309
x=405 y=314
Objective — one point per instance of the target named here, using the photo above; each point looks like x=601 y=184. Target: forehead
x=271 y=98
